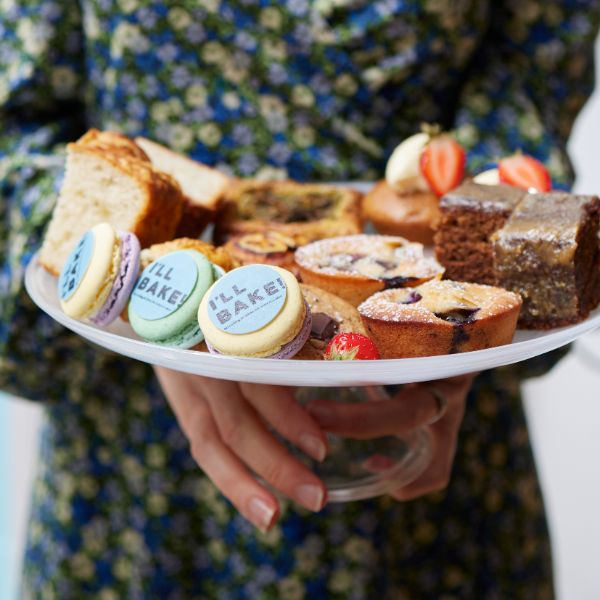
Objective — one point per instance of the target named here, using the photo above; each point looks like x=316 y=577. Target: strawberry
x=351 y=346
x=525 y=172
x=443 y=164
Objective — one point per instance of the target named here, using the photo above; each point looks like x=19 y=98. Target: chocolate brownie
x=547 y=251
x=470 y=214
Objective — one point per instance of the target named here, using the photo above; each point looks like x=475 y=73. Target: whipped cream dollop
x=403 y=170
x=489 y=177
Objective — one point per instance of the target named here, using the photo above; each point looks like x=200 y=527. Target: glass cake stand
x=360 y=469
x=354 y=469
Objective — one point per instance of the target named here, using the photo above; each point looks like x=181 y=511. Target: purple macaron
x=124 y=282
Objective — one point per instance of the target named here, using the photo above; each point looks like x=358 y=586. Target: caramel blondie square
x=548 y=252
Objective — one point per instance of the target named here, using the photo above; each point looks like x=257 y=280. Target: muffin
x=413 y=216
x=440 y=317
x=421 y=169
x=355 y=267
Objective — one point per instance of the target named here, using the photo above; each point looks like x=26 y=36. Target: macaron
x=255 y=311
x=99 y=274
x=164 y=303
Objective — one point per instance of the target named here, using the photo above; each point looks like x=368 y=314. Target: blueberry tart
x=355 y=267
x=440 y=317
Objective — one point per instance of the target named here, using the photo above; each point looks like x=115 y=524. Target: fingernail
x=261 y=513
x=311 y=496
x=322 y=413
x=313 y=446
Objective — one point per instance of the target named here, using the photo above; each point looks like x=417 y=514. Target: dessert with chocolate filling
x=293 y=209
x=440 y=317
x=548 y=252
x=355 y=267
x=470 y=215
x=331 y=315
x=268 y=247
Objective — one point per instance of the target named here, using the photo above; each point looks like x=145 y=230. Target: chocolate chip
x=324 y=327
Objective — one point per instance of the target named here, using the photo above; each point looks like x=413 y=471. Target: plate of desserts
x=462 y=274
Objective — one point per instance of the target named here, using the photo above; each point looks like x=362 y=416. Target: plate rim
x=322 y=373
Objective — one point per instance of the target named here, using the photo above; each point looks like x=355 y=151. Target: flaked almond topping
x=260 y=243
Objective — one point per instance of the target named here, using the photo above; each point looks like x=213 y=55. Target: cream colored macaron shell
x=96 y=284
x=269 y=339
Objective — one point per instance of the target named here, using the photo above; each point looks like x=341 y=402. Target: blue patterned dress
x=313 y=90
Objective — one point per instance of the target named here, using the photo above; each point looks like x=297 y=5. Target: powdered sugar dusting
x=373 y=256
x=438 y=297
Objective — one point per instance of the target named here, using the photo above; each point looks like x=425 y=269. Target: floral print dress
x=308 y=89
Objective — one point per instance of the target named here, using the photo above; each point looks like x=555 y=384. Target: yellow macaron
x=255 y=311
x=87 y=278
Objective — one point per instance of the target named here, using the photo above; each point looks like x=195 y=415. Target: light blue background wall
x=8 y=559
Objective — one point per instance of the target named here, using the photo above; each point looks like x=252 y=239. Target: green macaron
x=164 y=303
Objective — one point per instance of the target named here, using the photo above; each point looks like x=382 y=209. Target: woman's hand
x=225 y=423
x=437 y=405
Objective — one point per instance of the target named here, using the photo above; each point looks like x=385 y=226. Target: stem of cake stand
x=360 y=469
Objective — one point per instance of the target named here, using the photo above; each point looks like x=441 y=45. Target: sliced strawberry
x=351 y=346
x=525 y=172
x=443 y=164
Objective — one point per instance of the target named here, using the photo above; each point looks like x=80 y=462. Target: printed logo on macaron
x=246 y=299
x=76 y=266
x=164 y=286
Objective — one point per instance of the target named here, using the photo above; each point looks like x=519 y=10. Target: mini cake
x=202 y=186
x=268 y=247
x=440 y=317
x=355 y=267
x=255 y=311
x=165 y=300
x=470 y=215
x=330 y=315
x=293 y=209
x=421 y=169
x=413 y=216
x=548 y=252
x=218 y=256
x=108 y=178
x=99 y=274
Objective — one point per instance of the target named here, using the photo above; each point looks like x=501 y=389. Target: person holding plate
x=319 y=91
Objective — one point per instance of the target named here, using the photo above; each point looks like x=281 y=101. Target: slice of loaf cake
x=109 y=178
x=202 y=186
x=470 y=214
